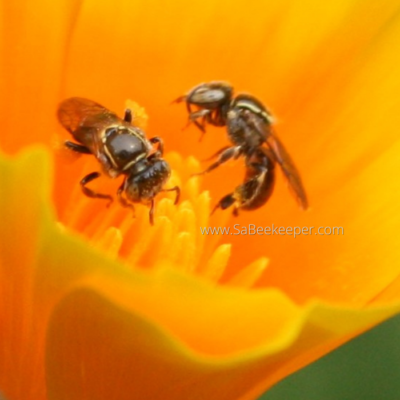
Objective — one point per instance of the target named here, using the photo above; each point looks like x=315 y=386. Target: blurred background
x=367 y=368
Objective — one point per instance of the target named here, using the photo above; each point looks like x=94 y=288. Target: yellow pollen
x=139 y=116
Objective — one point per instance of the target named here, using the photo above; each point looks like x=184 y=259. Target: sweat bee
x=249 y=128
x=121 y=149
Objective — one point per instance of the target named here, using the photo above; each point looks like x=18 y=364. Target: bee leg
x=78 y=148
x=151 y=212
x=216 y=154
x=124 y=202
x=226 y=155
x=225 y=202
x=220 y=117
x=88 y=192
x=160 y=142
x=202 y=136
x=176 y=189
x=128 y=115
x=154 y=156
x=194 y=116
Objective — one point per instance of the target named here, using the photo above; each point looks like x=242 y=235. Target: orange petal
x=332 y=114
x=105 y=339
x=347 y=160
x=337 y=102
x=34 y=39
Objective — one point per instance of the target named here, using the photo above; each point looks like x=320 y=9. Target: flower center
x=177 y=237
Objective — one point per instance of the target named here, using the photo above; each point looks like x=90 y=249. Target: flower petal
x=347 y=160
x=153 y=52
x=105 y=342
x=205 y=336
x=336 y=110
x=24 y=208
x=34 y=38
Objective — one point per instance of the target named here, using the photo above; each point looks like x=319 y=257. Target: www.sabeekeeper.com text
x=252 y=230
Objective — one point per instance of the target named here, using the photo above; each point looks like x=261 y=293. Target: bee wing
x=289 y=169
x=77 y=112
x=258 y=123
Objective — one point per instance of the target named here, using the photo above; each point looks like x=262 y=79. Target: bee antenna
x=180 y=99
x=128 y=115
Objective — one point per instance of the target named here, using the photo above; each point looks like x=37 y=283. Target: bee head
x=146 y=178
x=210 y=95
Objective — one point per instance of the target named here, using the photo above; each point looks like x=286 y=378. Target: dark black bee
x=249 y=128
x=121 y=149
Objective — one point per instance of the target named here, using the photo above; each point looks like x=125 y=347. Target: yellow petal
x=108 y=330
x=24 y=210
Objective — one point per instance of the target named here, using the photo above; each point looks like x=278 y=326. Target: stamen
x=249 y=275
x=111 y=241
x=183 y=252
x=217 y=263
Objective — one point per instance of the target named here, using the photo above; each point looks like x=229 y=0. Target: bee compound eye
x=132 y=190
x=208 y=96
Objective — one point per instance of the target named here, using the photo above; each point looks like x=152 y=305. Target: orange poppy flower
x=98 y=305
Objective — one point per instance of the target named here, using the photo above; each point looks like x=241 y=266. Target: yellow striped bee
x=121 y=149
x=249 y=129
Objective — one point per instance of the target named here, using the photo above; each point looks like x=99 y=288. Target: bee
x=121 y=149
x=249 y=127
